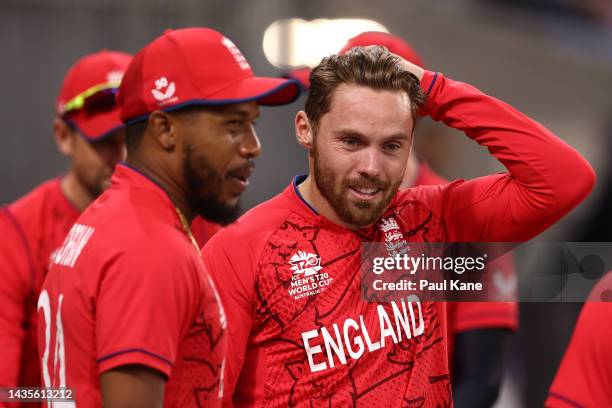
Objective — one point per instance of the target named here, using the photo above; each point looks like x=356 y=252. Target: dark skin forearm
x=132 y=386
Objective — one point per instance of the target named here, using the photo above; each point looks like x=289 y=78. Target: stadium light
x=294 y=42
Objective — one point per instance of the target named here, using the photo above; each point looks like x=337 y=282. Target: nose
x=250 y=146
x=369 y=164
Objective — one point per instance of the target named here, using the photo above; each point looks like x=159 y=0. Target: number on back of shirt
x=54 y=375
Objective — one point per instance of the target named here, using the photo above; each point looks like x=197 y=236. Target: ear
x=163 y=128
x=303 y=130
x=64 y=136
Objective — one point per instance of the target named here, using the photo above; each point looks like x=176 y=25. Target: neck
x=171 y=186
x=311 y=193
x=75 y=192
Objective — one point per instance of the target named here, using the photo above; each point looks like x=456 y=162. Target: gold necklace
x=187 y=228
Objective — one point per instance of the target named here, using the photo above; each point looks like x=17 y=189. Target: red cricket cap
x=195 y=66
x=91 y=76
x=393 y=43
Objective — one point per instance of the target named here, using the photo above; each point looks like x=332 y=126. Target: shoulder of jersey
x=34 y=200
x=428 y=195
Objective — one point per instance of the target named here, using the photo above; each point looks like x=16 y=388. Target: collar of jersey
x=297 y=180
x=126 y=173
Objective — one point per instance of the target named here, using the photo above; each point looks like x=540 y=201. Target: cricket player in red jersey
x=87 y=129
x=291 y=343
x=584 y=379
x=128 y=315
x=477 y=331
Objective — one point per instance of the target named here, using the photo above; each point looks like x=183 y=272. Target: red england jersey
x=128 y=287
x=584 y=378
x=464 y=316
x=300 y=332
x=32 y=228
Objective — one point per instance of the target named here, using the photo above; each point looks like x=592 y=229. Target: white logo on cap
x=114 y=77
x=240 y=60
x=164 y=96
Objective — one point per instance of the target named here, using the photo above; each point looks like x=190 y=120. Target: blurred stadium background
x=550 y=58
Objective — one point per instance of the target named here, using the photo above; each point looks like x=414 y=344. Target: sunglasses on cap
x=98 y=98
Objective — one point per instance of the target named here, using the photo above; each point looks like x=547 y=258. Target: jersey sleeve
x=147 y=299
x=546 y=177
x=233 y=272
x=15 y=275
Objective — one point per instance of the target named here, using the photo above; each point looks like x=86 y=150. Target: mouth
x=240 y=178
x=365 y=193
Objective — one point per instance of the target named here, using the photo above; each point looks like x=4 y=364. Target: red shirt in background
x=584 y=378
x=31 y=229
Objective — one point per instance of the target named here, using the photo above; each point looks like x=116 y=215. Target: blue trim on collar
x=297 y=180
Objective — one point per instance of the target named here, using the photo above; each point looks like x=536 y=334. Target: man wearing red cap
x=301 y=333
x=477 y=331
x=87 y=129
x=131 y=318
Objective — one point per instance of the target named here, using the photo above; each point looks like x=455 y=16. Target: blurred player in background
x=292 y=345
x=88 y=130
x=138 y=320
x=584 y=378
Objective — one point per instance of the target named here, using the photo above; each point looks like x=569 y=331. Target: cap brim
x=266 y=91
x=302 y=75
x=95 y=127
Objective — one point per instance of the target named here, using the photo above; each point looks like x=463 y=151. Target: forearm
x=132 y=386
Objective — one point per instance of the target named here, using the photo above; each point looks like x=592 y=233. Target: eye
x=351 y=142
x=392 y=147
x=234 y=122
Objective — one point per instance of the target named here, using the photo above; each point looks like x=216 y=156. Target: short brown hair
x=374 y=67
